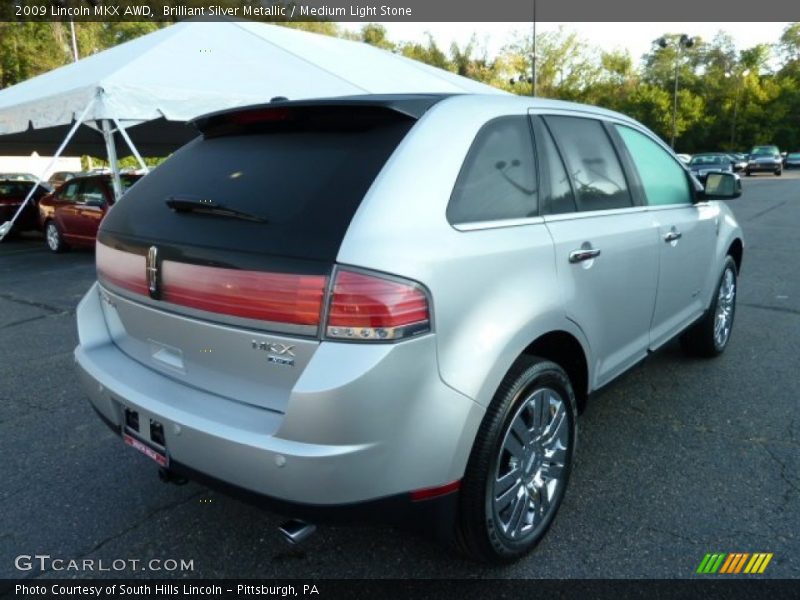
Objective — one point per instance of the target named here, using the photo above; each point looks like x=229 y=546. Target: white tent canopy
x=195 y=67
x=140 y=94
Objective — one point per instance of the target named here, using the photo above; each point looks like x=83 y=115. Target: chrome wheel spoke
x=505 y=499
x=543 y=499
x=555 y=462
x=550 y=435
x=515 y=448
x=521 y=431
x=541 y=412
x=515 y=522
x=506 y=482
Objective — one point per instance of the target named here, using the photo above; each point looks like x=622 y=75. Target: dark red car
x=12 y=193
x=71 y=215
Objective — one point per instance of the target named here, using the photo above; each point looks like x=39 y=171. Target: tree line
x=728 y=99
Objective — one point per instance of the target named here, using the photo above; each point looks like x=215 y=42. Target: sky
x=634 y=37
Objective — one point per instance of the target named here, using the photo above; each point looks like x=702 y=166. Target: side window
x=664 y=180
x=498 y=179
x=93 y=192
x=560 y=199
x=70 y=191
x=591 y=162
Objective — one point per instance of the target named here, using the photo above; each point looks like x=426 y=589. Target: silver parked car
x=764 y=158
x=394 y=307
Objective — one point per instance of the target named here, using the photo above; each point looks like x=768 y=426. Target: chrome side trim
x=499 y=223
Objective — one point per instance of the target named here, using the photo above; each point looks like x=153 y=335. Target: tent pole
x=111 y=152
x=6 y=227
x=128 y=141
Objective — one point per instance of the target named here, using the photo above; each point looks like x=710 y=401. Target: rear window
x=13 y=189
x=303 y=180
x=765 y=150
x=709 y=160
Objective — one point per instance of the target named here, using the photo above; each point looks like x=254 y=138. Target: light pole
x=683 y=42
x=739 y=83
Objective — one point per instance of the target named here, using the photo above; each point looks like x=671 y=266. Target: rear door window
x=560 y=198
x=498 y=179
x=70 y=191
x=93 y=192
x=592 y=163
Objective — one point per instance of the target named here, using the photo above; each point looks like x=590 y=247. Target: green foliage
x=727 y=99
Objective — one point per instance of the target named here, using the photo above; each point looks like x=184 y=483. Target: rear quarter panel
x=494 y=291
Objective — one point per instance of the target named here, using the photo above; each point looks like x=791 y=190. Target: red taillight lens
x=278 y=297
x=362 y=307
x=371 y=308
x=123 y=269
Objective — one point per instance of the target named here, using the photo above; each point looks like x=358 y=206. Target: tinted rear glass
x=14 y=189
x=765 y=150
x=306 y=183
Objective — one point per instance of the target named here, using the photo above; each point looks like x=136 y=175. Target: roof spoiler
x=277 y=111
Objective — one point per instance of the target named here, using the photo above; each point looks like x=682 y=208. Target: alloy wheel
x=53 y=238
x=531 y=464
x=726 y=300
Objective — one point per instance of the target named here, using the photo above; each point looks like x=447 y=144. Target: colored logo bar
x=734 y=562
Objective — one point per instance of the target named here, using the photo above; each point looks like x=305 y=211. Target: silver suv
x=394 y=307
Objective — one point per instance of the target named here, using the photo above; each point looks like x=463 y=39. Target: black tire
x=53 y=237
x=479 y=530
x=748 y=173
x=700 y=338
x=779 y=172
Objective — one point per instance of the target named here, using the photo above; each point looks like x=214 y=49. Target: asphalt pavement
x=678 y=458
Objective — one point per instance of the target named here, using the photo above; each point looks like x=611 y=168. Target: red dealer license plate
x=157 y=456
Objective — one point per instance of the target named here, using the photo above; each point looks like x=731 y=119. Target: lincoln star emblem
x=151 y=269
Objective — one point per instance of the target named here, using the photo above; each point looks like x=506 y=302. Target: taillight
x=361 y=306
x=123 y=269
x=278 y=297
x=372 y=308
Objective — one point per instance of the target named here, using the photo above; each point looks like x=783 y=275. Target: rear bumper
x=433 y=516
x=364 y=423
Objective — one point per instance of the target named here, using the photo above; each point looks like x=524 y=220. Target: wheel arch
x=736 y=251
x=564 y=349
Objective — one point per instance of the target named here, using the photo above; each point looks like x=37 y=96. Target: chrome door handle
x=582 y=254
x=673 y=236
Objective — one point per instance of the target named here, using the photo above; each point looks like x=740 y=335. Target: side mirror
x=722 y=186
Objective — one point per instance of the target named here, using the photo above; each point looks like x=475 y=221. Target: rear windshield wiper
x=209 y=207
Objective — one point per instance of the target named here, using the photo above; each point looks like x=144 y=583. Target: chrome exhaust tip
x=296 y=531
